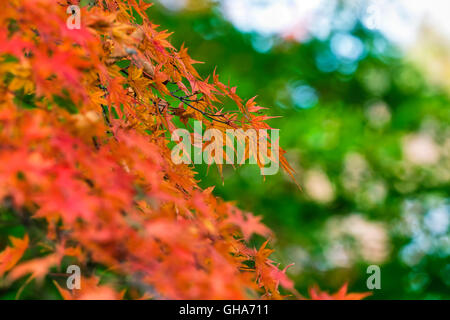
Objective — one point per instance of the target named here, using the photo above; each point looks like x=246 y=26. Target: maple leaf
x=11 y=255
x=342 y=294
x=249 y=224
x=252 y=106
x=90 y=289
x=38 y=268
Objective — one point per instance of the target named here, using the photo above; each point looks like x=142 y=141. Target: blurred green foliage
x=369 y=138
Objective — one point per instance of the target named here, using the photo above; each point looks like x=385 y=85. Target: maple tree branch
x=106 y=115
x=206 y=114
x=186 y=101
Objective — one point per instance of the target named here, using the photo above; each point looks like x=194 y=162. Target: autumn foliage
x=85 y=167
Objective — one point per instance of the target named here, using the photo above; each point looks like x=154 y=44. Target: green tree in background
x=369 y=137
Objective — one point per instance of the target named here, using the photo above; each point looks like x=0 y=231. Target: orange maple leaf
x=90 y=289
x=11 y=255
x=316 y=294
